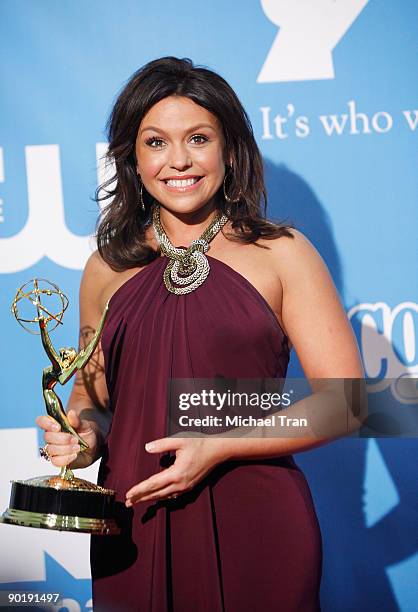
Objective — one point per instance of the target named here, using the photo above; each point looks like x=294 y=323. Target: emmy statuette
x=62 y=502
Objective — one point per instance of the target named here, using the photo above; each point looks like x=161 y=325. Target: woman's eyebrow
x=192 y=129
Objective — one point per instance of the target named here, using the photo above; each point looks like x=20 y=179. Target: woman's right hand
x=63 y=448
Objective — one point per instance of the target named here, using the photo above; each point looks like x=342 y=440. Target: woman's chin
x=186 y=206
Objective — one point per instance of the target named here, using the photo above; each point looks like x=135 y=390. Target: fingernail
x=76 y=448
x=73 y=457
x=74 y=440
x=149 y=446
x=56 y=427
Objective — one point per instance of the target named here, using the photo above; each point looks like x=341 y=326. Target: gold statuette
x=61 y=502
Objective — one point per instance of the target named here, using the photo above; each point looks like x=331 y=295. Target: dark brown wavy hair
x=122 y=223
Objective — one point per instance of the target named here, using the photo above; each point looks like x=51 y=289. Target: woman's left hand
x=195 y=457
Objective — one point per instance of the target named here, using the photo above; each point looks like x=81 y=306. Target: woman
x=212 y=523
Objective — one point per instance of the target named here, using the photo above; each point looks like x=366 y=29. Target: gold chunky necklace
x=188 y=268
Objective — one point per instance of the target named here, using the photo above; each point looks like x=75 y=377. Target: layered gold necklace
x=188 y=268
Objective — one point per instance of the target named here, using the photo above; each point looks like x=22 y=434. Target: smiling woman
x=180 y=162
x=200 y=284
x=172 y=122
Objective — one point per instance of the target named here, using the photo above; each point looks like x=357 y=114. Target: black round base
x=35 y=503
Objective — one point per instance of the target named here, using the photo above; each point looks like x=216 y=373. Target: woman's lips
x=182 y=185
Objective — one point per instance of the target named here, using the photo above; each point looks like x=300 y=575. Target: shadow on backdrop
x=356 y=555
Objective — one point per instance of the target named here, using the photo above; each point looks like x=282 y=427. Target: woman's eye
x=199 y=138
x=155 y=143
x=158 y=143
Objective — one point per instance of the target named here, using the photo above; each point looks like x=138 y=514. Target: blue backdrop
x=331 y=89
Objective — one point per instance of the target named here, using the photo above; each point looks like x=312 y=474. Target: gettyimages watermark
x=291 y=407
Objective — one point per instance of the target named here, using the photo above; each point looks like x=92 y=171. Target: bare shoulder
x=297 y=244
x=296 y=258
x=100 y=281
x=97 y=272
x=96 y=277
x=312 y=311
x=96 y=266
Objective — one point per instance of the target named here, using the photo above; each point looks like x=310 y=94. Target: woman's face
x=180 y=154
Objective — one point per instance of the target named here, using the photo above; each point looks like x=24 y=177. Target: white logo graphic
x=309 y=31
x=388 y=361
x=45 y=233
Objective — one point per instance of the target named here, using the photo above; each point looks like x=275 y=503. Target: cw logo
x=309 y=31
x=388 y=344
x=45 y=233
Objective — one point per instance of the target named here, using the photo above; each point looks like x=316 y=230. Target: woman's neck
x=182 y=228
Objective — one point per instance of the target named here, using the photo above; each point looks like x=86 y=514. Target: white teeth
x=182 y=183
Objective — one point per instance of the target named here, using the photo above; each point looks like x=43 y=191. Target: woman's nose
x=180 y=157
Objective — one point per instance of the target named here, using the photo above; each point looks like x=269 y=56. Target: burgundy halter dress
x=246 y=538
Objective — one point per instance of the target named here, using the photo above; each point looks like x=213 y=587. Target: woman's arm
x=317 y=325
x=87 y=408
